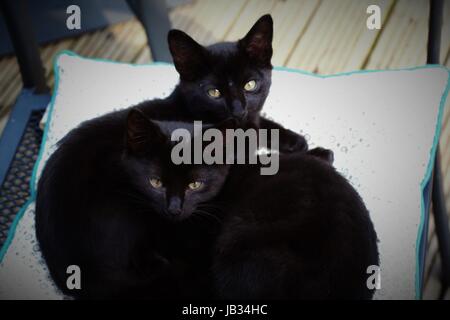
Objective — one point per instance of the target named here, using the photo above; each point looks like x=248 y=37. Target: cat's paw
x=291 y=142
x=323 y=154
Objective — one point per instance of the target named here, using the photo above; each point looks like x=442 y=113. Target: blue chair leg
x=155 y=19
x=18 y=22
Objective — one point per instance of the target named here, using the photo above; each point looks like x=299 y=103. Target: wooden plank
x=181 y=17
x=182 y=14
x=11 y=75
x=445 y=134
x=291 y=19
x=206 y=21
x=403 y=41
x=132 y=40
x=431 y=230
x=445 y=46
x=430 y=259
x=432 y=285
x=209 y=21
x=138 y=40
x=112 y=48
x=196 y=24
x=206 y=32
x=3 y=120
x=249 y=15
x=82 y=43
x=144 y=56
x=225 y=20
x=90 y=43
x=10 y=68
x=337 y=39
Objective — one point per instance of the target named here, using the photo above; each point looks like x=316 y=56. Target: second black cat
x=303 y=233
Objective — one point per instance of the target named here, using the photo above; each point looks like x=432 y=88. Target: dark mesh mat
x=16 y=188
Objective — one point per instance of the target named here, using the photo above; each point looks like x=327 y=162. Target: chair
x=20 y=141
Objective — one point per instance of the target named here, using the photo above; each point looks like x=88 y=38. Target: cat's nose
x=237 y=108
x=174 y=207
x=174 y=211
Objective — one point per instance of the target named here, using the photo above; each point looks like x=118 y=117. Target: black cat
x=84 y=212
x=303 y=233
x=117 y=207
x=229 y=79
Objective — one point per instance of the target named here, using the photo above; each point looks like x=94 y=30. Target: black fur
x=303 y=233
x=226 y=66
x=95 y=208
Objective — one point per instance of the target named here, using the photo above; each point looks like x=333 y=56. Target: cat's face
x=174 y=191
x=225 y=79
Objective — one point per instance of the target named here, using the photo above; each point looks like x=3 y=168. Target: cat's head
x=174 y=191
x=225 y=79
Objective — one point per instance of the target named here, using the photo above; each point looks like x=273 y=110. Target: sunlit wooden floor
x=325 y=37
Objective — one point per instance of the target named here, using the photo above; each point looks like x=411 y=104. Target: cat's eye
x=214 y=93
x=155 y=183
x=250 y=85
x=195 y=185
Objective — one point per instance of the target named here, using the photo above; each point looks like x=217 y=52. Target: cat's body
x=93 y=210
x=303 y=233
x=223 y=80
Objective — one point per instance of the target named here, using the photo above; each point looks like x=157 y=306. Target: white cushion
x=382 y=126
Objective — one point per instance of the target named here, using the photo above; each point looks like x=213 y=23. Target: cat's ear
x=187 y=54
x=257 y=44
x=142 y=132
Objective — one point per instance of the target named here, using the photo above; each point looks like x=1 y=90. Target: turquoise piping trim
x=425 y=180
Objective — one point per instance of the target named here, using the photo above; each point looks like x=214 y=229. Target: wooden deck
x=322 y=36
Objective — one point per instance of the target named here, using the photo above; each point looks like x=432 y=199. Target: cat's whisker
x=209 y=207
x=135 y=199
x=198 y=215
x=207 y=215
